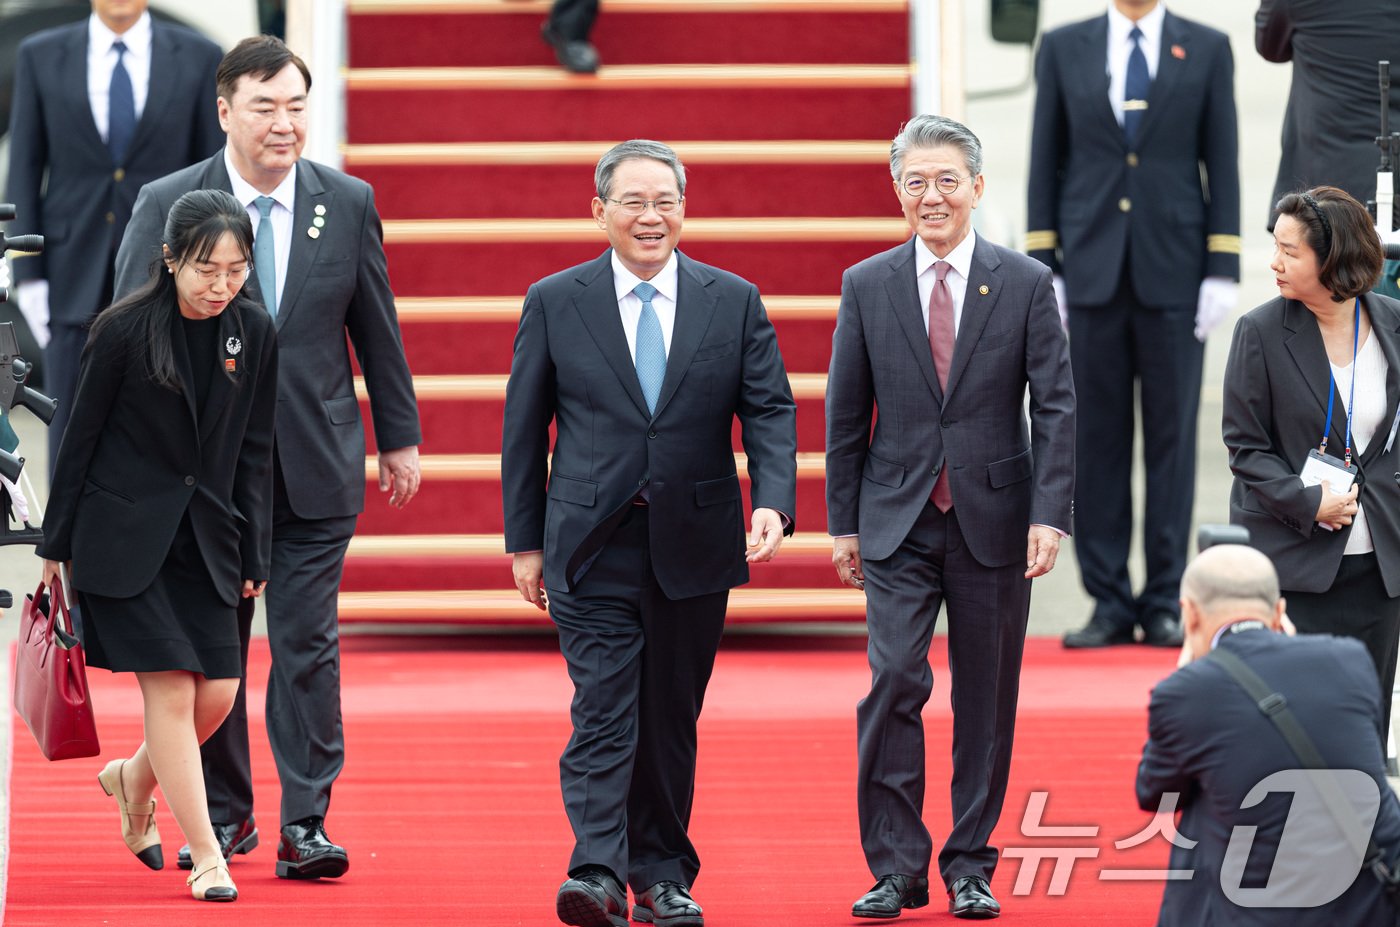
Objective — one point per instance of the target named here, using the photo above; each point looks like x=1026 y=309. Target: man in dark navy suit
x=1210 y=747
x=641 y=358
x=1134 y=204
x=91 y=123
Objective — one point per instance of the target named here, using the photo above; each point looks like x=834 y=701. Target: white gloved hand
x=32 y=296
x=1061 y=303
x=1218 y=298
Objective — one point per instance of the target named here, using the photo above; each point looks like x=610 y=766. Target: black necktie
x=1135 y=88
x=121 y=108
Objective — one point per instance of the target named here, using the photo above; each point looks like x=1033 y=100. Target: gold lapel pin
x=313 y=232
x=983 y=289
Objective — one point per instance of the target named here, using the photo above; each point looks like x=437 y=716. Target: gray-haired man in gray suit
x=940 y=502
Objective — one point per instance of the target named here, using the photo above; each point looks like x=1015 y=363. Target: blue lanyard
x=1332 y=388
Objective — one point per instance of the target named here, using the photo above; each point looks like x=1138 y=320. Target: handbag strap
x=1274 y=706
x=58 y=606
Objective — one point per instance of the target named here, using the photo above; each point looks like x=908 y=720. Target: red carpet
x=450 y=808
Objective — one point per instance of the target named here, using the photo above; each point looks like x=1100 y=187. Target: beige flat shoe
x=146 y=845
x=212 y=883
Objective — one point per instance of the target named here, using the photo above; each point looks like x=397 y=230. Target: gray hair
x=631 y=151
x=929 y=131
x=1230 y=573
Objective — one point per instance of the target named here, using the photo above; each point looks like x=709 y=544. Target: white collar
x=960 y=257
x=137 y=39
x=665 y=281
x=1151 y=25
x=246 y=193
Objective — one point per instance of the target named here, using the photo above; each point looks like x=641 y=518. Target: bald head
x=1226 y=583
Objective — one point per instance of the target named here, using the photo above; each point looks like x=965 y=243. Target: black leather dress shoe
x=971 y=897
x=1098 y=633
x=668 y=904
x=574 y=55
x=305 y=852
x=892 y=894
x=1161 y=629
x=233 y=838
x=592 y=897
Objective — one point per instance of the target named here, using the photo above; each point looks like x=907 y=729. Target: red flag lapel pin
x=1178 y=53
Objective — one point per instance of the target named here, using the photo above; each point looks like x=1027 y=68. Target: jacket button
x=642 y=481
x=651 y=434
x=189 y=481
x=1397 y=477
x=937 y=468
x=1125 y=205
x=1132 y=159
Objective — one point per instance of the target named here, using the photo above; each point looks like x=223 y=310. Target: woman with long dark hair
x=1312 y=405
x=162 y=505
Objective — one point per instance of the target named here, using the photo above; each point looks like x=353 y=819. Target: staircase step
x=673 y=103
x=436 y=35
x=507 y=608
x=484 y=179
x=491 y=385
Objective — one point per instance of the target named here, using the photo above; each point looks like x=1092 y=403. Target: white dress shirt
x=281 y=215
x=960 y=261
x=1367 y=416
x=629 y=304
x=102 y=60
x=1120 y=47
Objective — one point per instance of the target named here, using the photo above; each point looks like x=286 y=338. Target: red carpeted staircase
x=481 y=152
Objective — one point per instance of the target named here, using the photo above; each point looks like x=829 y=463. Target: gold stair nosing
x=493 y=386
x=739 y=228
x=493 y=546
x=635 y=76
x=796 y=151
x=506 y=605
x=507 y=308
x=542 y=7
x=488 y=466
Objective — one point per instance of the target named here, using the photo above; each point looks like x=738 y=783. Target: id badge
x=1320 y=468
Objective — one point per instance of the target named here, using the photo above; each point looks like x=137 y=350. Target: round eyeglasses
x=946 y=184
x=666 y=207
x=208 y=277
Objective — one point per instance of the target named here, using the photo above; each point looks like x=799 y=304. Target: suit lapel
x=1387 y=330
x=221 y=384
x=310 y=194
x=72 y=74
x=597 y=308
x=1093 y=55
x=1304 y=343
x=165 y=77
x=183 y=365
x=695 y=308
x=976 y=309
x=1169 y=69
x=902 y=288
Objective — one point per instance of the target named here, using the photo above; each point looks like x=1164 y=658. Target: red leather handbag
x=51 y=690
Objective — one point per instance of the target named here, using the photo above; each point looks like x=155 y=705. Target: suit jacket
x=1002 y=478
x=137 y=455
x=62 y=179
x=572 y=366
x=1275 y=406
x=337 y=283
x=1095 y=206
x=1211 y=745
x=1332 y=119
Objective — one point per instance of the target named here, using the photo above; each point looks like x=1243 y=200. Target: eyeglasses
x=207 y=277
x=947 y=184
x=637 y=207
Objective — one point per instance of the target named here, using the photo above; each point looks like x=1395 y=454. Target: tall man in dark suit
x=100 y=108
x=321 y=272
x=1210 y=747
x=632 y=531
x=941 y=502
x=1134 y=199
x=1333 y=118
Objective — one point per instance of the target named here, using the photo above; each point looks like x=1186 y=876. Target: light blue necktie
x=1136 y=84
x=265 y=255
x=121 y=108
x=651 y=347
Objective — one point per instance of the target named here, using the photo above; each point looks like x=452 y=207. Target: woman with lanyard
x=1312 y=401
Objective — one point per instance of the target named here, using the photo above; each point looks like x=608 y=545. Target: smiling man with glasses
x=632 y=533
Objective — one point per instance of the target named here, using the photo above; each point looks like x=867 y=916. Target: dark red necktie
x=941 y=336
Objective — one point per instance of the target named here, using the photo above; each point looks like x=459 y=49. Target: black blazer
x=1094 y=204
x=572 y=367
x=337 y=284
x=137 y=455
x=1275 y=406
x=62 y=179
x=1210 y=744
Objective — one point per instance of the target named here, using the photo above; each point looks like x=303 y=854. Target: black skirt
x=178 y=622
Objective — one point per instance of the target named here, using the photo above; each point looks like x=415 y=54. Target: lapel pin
x=313 y=232
x=983 y=289
x=320 y=210
x=230 y=365
x=318 y=222
x=233 y=346
x=1178 y=53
